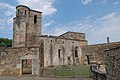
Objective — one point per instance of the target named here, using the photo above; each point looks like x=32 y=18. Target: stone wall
x=2 y=49
x=96 y=51
x=112 y=61
x=12 y=61
x=60 y=51
x=75 y=35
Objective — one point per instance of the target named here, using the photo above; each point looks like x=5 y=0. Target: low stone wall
x=112 y=61
x=12 y=60
x=97 y=51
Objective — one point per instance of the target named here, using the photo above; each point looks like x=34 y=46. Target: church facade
x=33 y=50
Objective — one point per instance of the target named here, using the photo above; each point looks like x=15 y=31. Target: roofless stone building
x=31 y=49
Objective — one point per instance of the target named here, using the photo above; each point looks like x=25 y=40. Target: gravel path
x=40 y=78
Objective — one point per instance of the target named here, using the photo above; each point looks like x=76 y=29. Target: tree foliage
x=5 y=42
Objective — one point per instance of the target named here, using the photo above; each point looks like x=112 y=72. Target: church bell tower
x=27 y=26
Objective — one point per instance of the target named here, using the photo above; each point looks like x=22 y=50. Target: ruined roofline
x=70 y=32
x=28 y=8
x=22 y=47
x=61 y=38
x=114 y=48
x=104 y=44
x=22 y=6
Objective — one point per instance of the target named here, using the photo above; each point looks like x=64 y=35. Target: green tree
x=5 y=42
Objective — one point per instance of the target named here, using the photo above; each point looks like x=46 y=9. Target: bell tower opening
x=35 y=18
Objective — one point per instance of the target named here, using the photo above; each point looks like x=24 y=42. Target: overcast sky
x=98 y=19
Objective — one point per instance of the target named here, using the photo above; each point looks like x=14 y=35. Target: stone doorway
x=26 y=66
x=30 y=64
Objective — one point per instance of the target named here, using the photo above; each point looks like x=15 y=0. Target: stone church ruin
x=31 y=50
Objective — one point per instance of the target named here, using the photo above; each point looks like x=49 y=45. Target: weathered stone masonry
x=112 y=62
x=96 y=51
x=31 y=50
x=13 y=60
x=26 y=27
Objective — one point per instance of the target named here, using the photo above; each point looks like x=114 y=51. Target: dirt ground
x=40 y=78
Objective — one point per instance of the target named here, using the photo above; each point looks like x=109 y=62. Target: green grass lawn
x=79 y=71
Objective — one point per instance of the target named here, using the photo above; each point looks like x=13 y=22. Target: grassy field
x=78 y=71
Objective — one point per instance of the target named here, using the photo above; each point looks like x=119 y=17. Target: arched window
x=35 y=18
